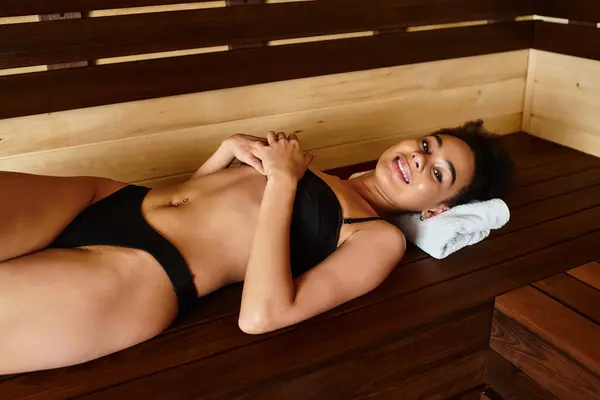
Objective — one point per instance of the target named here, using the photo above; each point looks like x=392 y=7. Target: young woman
x=90 y=266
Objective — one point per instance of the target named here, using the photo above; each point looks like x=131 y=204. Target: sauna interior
x=143 y=91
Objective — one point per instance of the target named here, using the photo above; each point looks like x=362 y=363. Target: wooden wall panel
x=579 y=10
x=47 y=43
x=375 y=125
x=45 y=132
x=108 y=84
x=566 y=101
x=28 y=7
x=569 y=39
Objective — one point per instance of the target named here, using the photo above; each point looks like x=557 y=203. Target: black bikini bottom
x=117 y=220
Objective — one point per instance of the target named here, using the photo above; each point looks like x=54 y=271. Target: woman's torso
x=211 y=221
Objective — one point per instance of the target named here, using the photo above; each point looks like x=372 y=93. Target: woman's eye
x=438 y=175
x=425 y=146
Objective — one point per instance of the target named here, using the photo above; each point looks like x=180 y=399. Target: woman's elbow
x=254 y=323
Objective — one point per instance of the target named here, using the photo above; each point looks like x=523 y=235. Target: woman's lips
x=399 y=165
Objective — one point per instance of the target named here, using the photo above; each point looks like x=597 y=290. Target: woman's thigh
x=34 y=209
x=61 y=307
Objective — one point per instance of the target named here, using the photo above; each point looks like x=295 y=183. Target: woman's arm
x=271 y=299
x=238 y=146
x=221 y=159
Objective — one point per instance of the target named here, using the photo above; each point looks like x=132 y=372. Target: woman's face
x=422 y=174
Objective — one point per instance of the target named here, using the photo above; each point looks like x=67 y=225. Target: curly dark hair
x=494 y=169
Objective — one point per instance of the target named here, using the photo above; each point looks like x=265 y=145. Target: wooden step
x=550 y=331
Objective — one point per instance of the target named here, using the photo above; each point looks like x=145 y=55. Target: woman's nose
x=418 y=161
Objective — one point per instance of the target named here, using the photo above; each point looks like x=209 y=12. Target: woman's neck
x=366 y=187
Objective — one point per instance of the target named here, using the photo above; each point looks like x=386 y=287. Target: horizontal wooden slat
x=85 y=39
x=76 y=88
x=567 y=330
x=589 y=273
x=573 y=293
x=578 y=10
x=558 y=132
x=508 y=381
x=341 y=135
x=367 y=324
x=574 y=40
x=222 y=333
x=118 y=121
x=378 y=368
x=550 y=367
x=28 y=7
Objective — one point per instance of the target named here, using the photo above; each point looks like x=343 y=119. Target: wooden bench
x=550 y=331
x=80 y=95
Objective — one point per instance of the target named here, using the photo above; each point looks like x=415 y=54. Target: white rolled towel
x=450 y=231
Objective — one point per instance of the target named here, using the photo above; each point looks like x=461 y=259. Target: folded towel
x=450 y=231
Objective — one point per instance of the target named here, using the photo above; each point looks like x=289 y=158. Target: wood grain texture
x=574 y=40
x=340 y=135
x=589 y=273
x=507 y=380
x=572 y=107
x=473 y=394
x=27 y=7
x=569 y=332
x=377 y=368
x=560 y=185
x=579 y=10
x=567 y=72
x=540 y=360
x=412 y=291
x=566 y=135
x=108 y=84
x=67 y=41
x=573 y=293
x=417 y=305
x=415 y=82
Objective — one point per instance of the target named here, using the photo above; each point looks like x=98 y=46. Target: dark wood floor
x=422 y=334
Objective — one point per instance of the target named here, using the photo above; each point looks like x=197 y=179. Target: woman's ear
x=426 y=214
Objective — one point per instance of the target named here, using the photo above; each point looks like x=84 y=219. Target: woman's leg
x=61 y=307
x=34 y=209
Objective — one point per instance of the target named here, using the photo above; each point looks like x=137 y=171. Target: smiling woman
x=304 y=242
x=449 y=167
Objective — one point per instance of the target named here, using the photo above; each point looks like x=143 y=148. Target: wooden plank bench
x=550 y=330
x=152 y=119
x=428 y=323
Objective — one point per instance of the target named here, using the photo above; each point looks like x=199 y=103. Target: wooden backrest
x=229 y=44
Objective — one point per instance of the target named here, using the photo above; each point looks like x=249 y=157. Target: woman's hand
x=242 y=146
x=283 y=157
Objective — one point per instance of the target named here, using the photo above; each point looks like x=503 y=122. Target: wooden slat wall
x=346 y=118
x=348 y=99
x=579 y=10
x=45 y=43
x=563 y=100
x=10 y=8
x=84 y=87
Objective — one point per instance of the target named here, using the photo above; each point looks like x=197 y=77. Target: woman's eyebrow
x=440 y=143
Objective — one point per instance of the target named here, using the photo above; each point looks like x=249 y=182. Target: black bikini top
x=316 y=223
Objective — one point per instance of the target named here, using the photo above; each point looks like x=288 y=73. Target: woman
x=90 y=266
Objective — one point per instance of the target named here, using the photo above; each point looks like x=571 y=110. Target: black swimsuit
x=117 y=220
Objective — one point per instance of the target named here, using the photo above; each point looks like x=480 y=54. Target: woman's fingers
x=281 y=136
x=271 y=137
x=256 y=164
x=293 y=137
